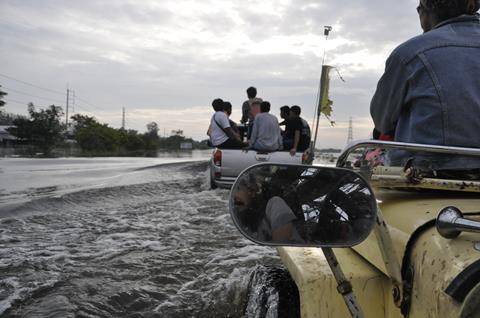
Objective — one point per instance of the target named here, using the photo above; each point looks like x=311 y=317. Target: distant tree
x=152 y=129
x=131 y=140
x=81 y=121
x=94 y=137
x=43 y=129
x=177 y=132
x=150 y=138
x=2 y=94
x=8 y=118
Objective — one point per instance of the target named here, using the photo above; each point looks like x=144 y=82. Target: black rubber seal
x=464 y=282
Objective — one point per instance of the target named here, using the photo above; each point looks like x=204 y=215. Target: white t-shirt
x=217 y=135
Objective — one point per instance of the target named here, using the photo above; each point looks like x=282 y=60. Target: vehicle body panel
x=435 y=261
x=234 y=161
x=405 y=212
x=318 y=288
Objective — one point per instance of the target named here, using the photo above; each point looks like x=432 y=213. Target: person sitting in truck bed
x=430 y=91
x=266 y=132
x=221 y=134
x=305 y=134
x=227 y=108
x=254 y=110
x=294 y=140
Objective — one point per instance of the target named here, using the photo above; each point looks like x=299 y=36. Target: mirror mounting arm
x=387 y=250
x=344 y=286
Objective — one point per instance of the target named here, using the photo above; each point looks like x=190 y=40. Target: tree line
x=43 y=130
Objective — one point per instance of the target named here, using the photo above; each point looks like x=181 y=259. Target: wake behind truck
x=368 y=238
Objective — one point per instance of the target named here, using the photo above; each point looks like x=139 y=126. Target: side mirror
x=298 y=205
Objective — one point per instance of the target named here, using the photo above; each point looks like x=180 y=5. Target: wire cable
x=26 y=94
x=30 y=84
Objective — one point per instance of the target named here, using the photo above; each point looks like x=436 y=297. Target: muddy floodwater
x=120 y=237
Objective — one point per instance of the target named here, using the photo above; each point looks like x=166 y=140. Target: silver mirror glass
x=293 y=205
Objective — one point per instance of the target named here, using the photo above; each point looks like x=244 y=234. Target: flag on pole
x=325 y=101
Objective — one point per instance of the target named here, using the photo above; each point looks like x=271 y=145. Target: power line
x=33 y=85
x=14 y=101
x=88 y=103
x=27 y=94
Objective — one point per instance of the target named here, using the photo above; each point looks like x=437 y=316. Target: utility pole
x=73 y=102
x=350 y=131
x=66 y=112
x=123 y=118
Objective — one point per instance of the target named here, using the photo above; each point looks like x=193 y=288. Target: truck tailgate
x=235 y=161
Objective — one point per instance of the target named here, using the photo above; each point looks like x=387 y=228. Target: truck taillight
x=217 y=158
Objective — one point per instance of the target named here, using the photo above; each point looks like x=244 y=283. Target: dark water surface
x=119 y=238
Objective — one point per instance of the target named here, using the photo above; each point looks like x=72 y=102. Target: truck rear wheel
x=272 y=293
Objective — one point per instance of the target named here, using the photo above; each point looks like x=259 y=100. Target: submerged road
x=142 y=241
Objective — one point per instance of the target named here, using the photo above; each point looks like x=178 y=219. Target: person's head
x=265 y=107
x=217 y=104
x=227 y=107
x=432 y=12
x=285 y=112
x=296 y=110
x=255 y=106
x=251 y=92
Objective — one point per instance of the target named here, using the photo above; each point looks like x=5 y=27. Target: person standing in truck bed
x=430 y=91
x=266 y=132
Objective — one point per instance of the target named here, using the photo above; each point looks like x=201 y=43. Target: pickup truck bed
x=227 y=164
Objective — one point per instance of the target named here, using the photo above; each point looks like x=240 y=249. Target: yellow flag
x=325 y=106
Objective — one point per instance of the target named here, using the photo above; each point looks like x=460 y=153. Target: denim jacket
x=430 y=91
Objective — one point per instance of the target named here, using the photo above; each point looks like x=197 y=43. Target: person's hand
x=293 y=151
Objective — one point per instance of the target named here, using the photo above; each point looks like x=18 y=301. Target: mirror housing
x=299 y=205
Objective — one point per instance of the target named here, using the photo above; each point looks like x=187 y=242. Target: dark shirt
x=297 y=123
x=245 y=112
x=291 y=125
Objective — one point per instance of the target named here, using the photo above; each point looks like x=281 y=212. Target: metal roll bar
x=342 y=159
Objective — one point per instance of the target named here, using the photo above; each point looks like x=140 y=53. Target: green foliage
x=99 y=139
x=43 y=129
x=152 y=129
x=8 y=118
x=92 y=136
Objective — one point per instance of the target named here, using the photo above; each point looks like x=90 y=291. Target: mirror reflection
x=302 y=206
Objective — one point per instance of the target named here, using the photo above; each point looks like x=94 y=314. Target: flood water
x=120 y=237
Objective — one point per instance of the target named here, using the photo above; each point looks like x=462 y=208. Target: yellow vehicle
x=368 y=238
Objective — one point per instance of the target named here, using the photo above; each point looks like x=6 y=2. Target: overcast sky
x=165 y=61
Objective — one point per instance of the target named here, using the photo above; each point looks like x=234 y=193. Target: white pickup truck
x=227 y=164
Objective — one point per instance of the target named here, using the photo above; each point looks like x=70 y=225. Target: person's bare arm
x=230 y=133
x=296 y=140
x=209 y=131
